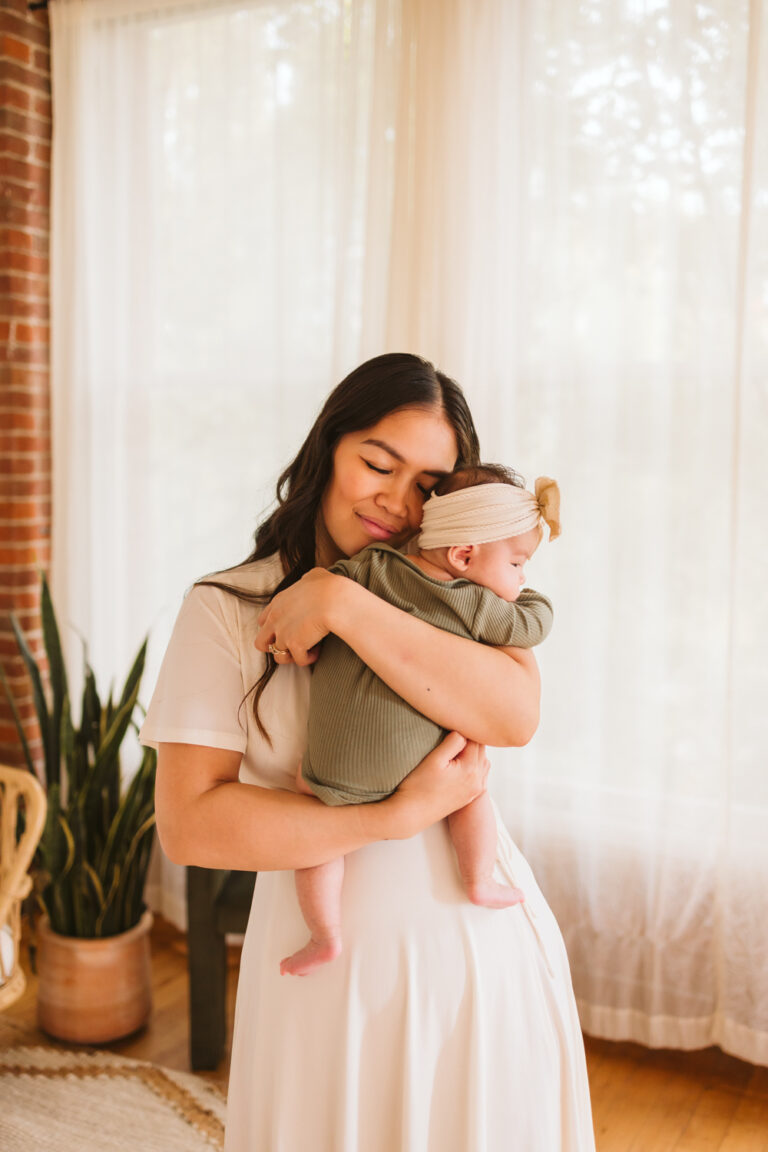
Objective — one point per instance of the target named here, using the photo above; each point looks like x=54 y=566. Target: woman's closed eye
x=425 y=491
x=373 y=468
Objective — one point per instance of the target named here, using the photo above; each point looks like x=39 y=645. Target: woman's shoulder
x=260 y=577
x=231 y=598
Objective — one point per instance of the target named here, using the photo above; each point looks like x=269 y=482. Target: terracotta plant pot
x=94 y=990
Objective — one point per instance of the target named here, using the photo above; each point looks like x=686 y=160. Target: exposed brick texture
x=25 y=443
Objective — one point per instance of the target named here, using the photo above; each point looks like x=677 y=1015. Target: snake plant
x=94 y=853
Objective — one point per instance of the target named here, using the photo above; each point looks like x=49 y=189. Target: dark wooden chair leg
x=217 y=903
x=207 y=969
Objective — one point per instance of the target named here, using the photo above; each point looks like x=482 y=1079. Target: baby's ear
x=460 y=555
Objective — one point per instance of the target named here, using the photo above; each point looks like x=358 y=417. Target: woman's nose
x=394 y=499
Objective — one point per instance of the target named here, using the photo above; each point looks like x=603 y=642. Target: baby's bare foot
x=490 y=894
x=312 y=955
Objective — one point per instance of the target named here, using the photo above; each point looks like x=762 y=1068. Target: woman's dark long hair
x=374 y=390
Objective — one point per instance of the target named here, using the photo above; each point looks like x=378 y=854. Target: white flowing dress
x=442 y=1027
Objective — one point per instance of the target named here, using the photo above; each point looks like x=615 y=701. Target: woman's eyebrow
x=437 y=473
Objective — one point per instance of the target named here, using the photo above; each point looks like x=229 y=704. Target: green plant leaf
x=58 y=853
x=102 y=922
x=93 y=856
x=132 y=879
x=90 y=720
x=131 y=688
x=41 y=706
x=100 y=795
x=79 y=909
x=17 y=722
x=55 y=842
x=121 y=850
x=74 y=756
x=56 y=672
x=70 y=846
x=140 y=795
x=67 y=732
x=118 y=727
x=53 y=903
x=92 y=875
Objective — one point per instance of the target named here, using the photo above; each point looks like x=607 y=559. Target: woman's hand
x=448 y=778
x=296 y=620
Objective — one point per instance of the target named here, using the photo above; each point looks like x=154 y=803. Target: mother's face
x=381 y=478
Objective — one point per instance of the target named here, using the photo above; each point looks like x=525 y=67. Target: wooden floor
x=643 y=1101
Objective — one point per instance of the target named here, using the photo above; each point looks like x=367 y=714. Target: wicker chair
x=19 y=791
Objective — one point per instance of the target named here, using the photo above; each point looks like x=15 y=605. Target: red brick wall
x=25 y=445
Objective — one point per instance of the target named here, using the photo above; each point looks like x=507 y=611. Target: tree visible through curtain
x=566 y=206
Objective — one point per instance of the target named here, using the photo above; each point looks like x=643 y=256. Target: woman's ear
x=459 y=556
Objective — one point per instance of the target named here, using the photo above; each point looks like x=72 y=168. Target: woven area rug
x=52 y=1100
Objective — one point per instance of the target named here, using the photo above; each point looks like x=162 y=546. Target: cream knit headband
x=489 y=512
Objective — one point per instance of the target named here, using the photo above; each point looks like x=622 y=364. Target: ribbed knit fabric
x=364 y=738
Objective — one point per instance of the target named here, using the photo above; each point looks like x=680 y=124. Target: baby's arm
x=523 y=623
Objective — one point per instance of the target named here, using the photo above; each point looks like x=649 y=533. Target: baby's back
x=363 y=738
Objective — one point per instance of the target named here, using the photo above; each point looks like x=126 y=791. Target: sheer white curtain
x=219 y=217
x=644 y=318
x=566 y=206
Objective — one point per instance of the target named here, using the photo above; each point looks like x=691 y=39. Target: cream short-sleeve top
x=208 y=670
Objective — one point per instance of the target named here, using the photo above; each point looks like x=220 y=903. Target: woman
x=443 y=1027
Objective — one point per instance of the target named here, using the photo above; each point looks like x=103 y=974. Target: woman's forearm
x=240 y=826
x=490 y=695
x=206 y=817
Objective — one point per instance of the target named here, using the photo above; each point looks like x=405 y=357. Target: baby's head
x=481 y=524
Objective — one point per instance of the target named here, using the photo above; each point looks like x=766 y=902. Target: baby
x=479 y=528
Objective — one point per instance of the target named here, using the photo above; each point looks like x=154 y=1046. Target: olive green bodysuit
x=363 y=738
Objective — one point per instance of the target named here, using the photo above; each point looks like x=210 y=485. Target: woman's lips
x=376 y=530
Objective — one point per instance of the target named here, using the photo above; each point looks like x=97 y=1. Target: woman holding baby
x=442 y=1026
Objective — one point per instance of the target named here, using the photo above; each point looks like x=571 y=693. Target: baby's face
x=500 y=565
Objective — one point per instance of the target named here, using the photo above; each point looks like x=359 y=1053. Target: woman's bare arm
x=205 y=816
x=490 y=695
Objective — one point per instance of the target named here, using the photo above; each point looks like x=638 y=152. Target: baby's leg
x=319 y=892
x=473 y=832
